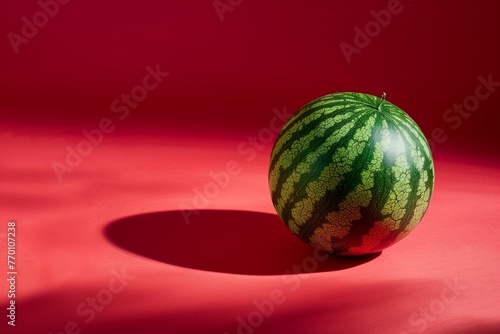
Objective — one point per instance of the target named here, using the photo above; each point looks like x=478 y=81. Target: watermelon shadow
x=236 y=242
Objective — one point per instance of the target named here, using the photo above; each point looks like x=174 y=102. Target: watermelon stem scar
x=383 y=99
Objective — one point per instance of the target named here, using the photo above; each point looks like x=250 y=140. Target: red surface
x=121 y=207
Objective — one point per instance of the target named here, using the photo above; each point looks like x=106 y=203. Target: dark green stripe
x=414 y=178
x=404 y=121
x=308 y=111
x=306 y=130
x=333 y=198
x=325 y=160
x=384 y=181
x=336 y=100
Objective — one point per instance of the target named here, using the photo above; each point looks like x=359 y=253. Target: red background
x=226 y=77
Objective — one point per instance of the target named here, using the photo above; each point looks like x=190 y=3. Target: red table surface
x=106 y=248
x=121 y=212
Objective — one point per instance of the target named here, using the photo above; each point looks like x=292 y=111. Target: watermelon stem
x=383 y=99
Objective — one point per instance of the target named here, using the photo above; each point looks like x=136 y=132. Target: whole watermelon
x=351 y=173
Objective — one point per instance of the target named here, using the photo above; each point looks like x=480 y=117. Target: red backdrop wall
x=427 y=57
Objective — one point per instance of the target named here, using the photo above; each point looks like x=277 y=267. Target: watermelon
x=351 y=174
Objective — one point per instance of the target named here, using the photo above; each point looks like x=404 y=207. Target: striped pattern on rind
x=351 y=174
